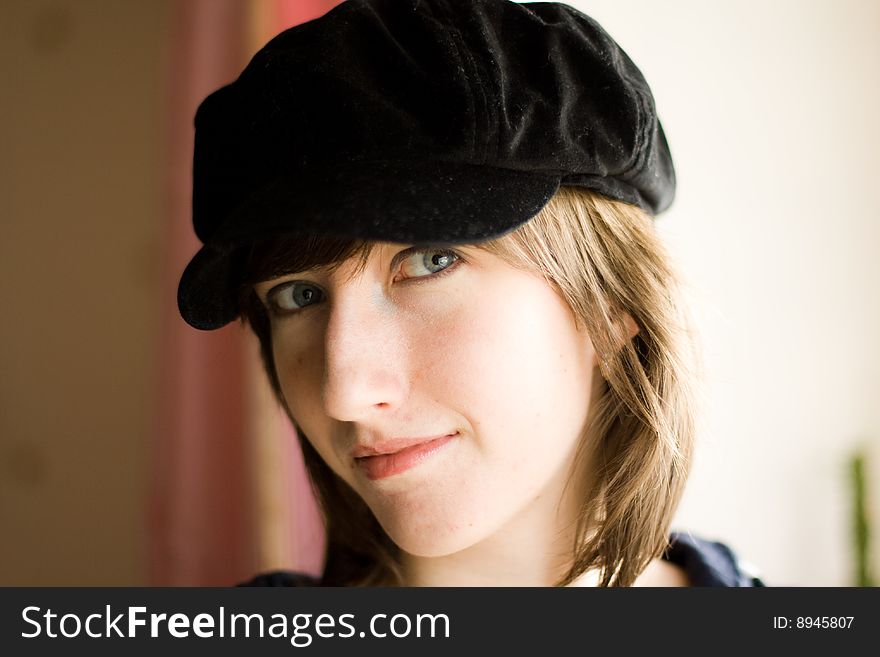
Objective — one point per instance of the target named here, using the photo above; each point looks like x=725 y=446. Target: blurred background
x=137 y=451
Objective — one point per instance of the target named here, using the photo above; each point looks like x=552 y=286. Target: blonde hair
x=607 y=262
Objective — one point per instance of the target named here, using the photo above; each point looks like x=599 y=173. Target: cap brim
x=411 y=203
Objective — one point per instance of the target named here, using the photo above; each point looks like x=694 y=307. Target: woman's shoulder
x=710 y=563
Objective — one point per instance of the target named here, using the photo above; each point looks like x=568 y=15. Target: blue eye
x=294 y=295
x=427 y=262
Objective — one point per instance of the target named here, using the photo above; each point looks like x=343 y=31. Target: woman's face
x=446 y=387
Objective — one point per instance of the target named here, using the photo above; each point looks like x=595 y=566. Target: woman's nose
x=364 y=362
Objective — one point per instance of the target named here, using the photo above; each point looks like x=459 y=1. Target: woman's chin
x=426 y=539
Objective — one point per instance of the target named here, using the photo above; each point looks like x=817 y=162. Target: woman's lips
x=380 y=466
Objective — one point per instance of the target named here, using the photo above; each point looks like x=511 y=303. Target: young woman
x=437 y=218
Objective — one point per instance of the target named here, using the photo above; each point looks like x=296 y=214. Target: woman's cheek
x=299 y=376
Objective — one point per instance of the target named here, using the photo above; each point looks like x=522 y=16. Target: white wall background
x=771 y=111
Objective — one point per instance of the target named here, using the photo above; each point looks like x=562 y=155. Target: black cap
x=415 y=121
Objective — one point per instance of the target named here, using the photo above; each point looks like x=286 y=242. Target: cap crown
x=534 y=87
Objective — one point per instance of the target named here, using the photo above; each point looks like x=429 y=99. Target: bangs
x=284 y=255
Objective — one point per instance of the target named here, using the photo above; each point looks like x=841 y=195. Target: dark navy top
x=710 y=563
x=707 y=563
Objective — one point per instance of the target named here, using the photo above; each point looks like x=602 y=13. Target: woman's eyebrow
x=325 y=268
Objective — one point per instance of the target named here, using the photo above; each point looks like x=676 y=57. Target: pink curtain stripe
x=206 y=503
x=293 y=12
x=199 y=507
